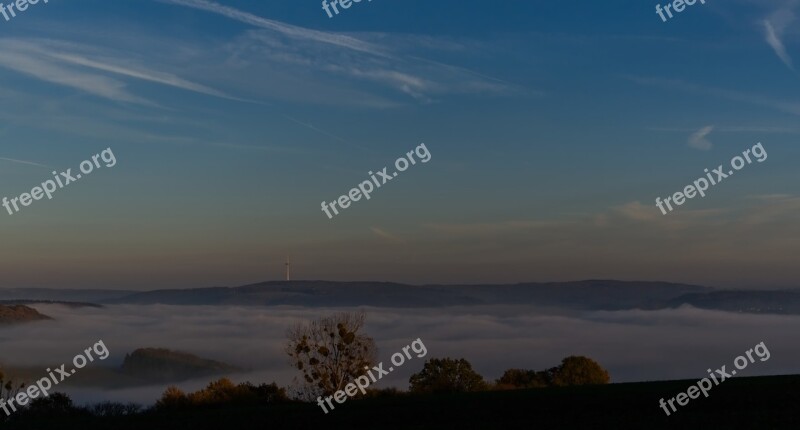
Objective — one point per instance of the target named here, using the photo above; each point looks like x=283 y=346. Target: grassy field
x=761 y=403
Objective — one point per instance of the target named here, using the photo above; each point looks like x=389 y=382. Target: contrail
x=24 y=162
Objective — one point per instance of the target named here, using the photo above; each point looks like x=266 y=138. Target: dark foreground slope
x=740 y=403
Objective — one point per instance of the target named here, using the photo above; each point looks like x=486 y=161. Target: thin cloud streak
x=739 y=96
x=775 y=26
x=285 y=29
x=377 y=64
x=31 y=163
x=733 y=129
x=323 y=132
x=147 y=75
x=54 y=62
x=49 y=71
x=773 y=39
x=383 y=234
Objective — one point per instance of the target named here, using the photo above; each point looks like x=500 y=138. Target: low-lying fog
x=632 y=345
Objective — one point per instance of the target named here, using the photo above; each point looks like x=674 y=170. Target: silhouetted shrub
x=574 y=370
x=520 y=378
x=446 y=375
x=114 y=409
x=384 y=393
x=578 y=370
x=222 y=392
x=56 y=405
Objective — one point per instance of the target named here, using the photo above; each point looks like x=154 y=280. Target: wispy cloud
x=698 y=139
x=494 y=227
x=622 y=234
x=323 y=132
x=775 y=42
x=739 y=96
x=334 y=71
x=30 y=163
x=289 y=30
x=735 y=129
x=774 y=209
x=774 y=27
x=638 y=212
x=383 y=234
x=371 y=58
x=64 y=64
x=17 y=58
x=143 y=74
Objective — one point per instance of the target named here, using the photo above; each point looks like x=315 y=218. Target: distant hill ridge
x=61 y=294
x=50 y=302
x=580 y=295
x=593 y=294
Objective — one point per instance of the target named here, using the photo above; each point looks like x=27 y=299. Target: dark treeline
x=742 y=403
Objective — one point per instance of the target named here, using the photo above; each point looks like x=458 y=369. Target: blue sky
x=552 y=127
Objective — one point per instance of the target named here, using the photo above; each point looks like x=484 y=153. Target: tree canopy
x=221 y=393
x=579 y=370
x=574 y=370
x=521 y=378
x=330 y=352
x=446 y=375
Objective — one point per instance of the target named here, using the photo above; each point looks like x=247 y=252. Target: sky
x=552 y=129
